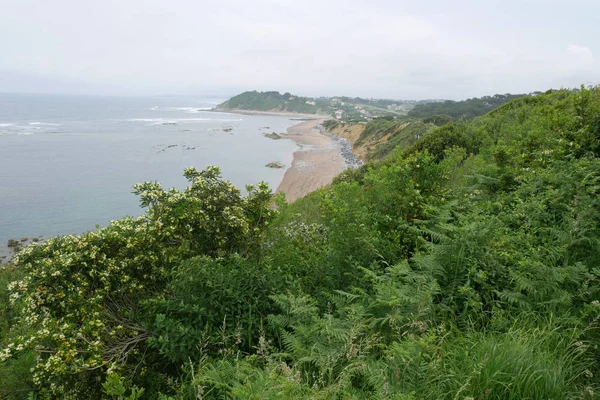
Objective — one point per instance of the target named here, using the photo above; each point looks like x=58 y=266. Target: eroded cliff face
x=377 y=139
x=352 y=132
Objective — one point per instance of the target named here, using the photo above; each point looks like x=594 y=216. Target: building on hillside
x=339 y=113
x=310 y=102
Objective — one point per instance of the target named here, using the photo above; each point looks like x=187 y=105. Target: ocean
x=68 y=163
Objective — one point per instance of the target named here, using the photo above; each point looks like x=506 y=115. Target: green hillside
x=382 y=134
x=469 y=108
x=464 y=266
x=272 y=101
x=353 y=109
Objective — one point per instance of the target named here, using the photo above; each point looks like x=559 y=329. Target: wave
x=163 y=121
x=191 y=110
x=155 y=121
x=5 y=125
x=144 y=119
x=44 y=124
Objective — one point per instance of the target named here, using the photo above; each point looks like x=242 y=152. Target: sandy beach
x=315 y=163
x=318 y=160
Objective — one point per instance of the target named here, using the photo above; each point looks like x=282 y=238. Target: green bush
x=464 y=266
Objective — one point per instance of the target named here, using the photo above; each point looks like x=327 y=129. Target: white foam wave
x=43 y=124
x=190 y=110
x=163 y=121
x=144 y=119
x=3 y=125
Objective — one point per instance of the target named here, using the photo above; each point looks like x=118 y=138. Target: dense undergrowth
x=465 y=266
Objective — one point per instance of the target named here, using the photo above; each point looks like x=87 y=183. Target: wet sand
x=315 y=164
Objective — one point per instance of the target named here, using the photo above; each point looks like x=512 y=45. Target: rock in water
x=275 y=164
x=273 y=136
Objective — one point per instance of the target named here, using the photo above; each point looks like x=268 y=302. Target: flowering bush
x=82 y=293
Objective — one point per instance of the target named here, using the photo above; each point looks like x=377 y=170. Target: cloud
x=580 y=54
x=382 y=48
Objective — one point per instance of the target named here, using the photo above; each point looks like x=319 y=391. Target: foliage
x=469 y=108
x=84 y=293
x=355 y=109
x=15 y=374
x=461 y=265
x=272 y=101
x=116 y=388
x=382 y=135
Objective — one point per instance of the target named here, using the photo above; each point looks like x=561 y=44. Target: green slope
x=464 y=266
x=469 y=108
x=271 y=101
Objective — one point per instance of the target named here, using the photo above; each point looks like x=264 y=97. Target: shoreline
x=318 y=160
x=297 y=116
x=352 y=160
x=7 y=252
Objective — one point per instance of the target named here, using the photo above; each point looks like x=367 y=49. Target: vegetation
x=469 y=108
x=354 y=109
x=272 y=101
x=390 y=130
x=464 y=266
x=397 y=133
x=379 y=137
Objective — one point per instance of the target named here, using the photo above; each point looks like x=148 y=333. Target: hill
x=349 y=109
x=469 y=108
x=381 y=135
x=462 y=266
x=275 y=102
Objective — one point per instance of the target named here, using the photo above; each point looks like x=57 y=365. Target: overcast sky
x=372 y=48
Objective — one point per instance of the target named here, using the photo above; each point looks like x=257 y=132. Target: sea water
x=68 y=163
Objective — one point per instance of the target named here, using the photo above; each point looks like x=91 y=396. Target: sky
x=395 y=49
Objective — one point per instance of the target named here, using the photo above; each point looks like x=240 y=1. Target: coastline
x=320 y=157
x=7 y=252
x=318 y=160
x=292 y=115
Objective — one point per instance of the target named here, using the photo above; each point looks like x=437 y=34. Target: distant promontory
x=356 y=109
x=352 y=109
